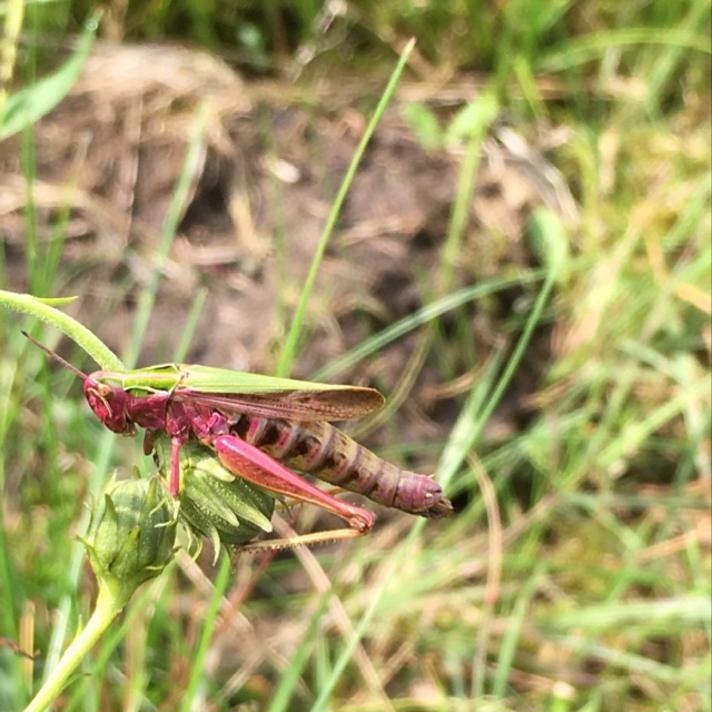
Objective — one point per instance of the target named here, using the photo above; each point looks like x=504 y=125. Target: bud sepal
x=214 y=503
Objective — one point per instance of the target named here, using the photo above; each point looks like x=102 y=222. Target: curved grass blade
x=419 y=318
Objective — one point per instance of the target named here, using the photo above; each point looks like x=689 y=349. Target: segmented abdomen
x=325 y=452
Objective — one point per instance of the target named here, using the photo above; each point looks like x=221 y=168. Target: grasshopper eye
x=98 y=395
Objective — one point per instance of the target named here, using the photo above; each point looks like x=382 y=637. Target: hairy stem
x=44 y=310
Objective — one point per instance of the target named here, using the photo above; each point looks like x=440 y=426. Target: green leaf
x=424 y=124
x=548 y=237
x=473 y=119
x=56 y=301
x=28 y=105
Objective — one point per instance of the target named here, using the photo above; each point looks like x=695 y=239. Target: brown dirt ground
x=111 y=153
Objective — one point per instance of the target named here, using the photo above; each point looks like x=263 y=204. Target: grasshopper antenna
x=56 y=356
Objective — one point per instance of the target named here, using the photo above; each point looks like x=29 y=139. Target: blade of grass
x=190 y=696
x=176 y=208
x=190 y=325
x=24 y=108
x=636 y=432
x=670 y=57
x=327 y=687
x=638 y=664
x=492 y=594
x=514 y=629
x=475 y=120
x=55 y=245
x=466 y=429
x=291 y=343
x=10 y=582
x=687 y=610
x=29 y=171
x=547 y=232
x=10 y=594
x=422 y=316
x=586 y=48
x=547 y=229
x=14 y=13
x=289 y=678
x=472 y=124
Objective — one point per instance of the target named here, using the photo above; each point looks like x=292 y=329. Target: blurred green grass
x=582 y=580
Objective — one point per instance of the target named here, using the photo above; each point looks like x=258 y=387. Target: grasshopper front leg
x=251 y=464
x=174 y=483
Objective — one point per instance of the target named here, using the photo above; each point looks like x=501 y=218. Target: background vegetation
x=522 y=264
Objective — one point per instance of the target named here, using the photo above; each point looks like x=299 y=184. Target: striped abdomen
x=325 y=452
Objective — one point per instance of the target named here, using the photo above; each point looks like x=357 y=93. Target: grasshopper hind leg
x=255 y=466
x=292 y=542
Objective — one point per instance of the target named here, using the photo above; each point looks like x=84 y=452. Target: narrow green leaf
x=423 y=122
x=587 y=48
x=422 y=316
x=30 y=104
x=198 y=668
x=290 y=346
x=56 y=301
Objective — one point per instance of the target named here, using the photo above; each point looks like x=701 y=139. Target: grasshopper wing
x=268 y=397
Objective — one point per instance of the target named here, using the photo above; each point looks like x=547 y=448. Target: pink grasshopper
x=252 y=422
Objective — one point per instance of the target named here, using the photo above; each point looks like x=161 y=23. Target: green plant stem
x=44 y=310
x=108 y=606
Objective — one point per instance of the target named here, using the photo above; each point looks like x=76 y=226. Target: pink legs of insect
x=251 y=464
x=174 y=483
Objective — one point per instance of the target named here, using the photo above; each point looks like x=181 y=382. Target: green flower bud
x=131 y=535
x=216 y=504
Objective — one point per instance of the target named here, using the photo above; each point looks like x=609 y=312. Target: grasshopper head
x=109 y=404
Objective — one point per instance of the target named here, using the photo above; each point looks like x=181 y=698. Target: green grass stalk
x=198 y=667
x=291 y=343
